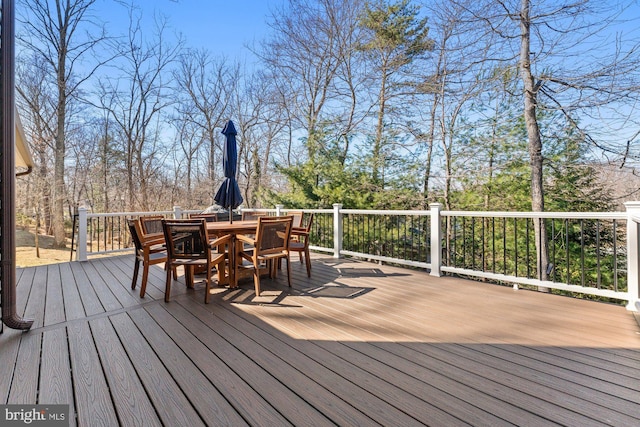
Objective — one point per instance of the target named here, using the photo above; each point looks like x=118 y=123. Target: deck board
x=90 y=301
x=55 y=371
x=248 y=403
x=92 y=396
x=205 y=398
x=255 y=371
x=131 y=402
x=356 y=344
x=73 y=307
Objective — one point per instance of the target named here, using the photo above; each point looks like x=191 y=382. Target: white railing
x=598 y=253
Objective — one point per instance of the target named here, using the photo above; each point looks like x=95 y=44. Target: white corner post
x=279 y=209
x=337 y=230
x=633 y=255
x=82 y=234
x=177 y=212
x=436 y=239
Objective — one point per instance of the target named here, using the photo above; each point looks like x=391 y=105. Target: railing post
x=82 y=233
x=633 y=255
x=177 y=212
x=436 y=239
x=337 y=230
x=279 y=209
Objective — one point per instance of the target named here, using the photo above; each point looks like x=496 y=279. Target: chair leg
x=307 y=259
x=188 y=275
x=288 y=270
x=175 y=270
x=207 y=289
x=256 y=277
x=167 y=286
x=145 y=276
x=136 y=268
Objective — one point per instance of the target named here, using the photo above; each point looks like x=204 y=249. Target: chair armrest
x=246 y=239
x=299 y=232
x=159 y=247
x=220 y=240
x=151 y=240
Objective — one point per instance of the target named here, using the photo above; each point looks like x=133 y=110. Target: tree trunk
x=378 y=163
x=58 y=177
x=535 y=141
x=430 y=142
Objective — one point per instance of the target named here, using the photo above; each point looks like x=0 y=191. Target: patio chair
x=209 y=217
x=297 y=219
x=150 y=250
x=189 y=246
x=151 y=224
x=300 y=241
x=270 y=244
x=252 y=215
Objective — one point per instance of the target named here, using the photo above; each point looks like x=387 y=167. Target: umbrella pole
x=230 y=215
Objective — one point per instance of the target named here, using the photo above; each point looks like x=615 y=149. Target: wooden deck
x=357 y=345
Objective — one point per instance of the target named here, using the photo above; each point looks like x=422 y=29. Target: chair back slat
x=151 y=224
x=134 y=225
x=252 y=216
x=297 y=219
x=209 y=217
x=309 y=222
x=186 y=238
x=273 y=234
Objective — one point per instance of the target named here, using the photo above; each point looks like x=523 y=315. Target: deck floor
x=358 y=344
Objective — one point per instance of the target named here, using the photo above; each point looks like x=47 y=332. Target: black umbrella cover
x=228 y=195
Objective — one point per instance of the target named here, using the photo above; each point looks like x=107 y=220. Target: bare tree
x=205 y=87
x=53 y=31
x=135 y=99
x=304 y=56
x=570 y=60
x=37 y=102
x=261 y=122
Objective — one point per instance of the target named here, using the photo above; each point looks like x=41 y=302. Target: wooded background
x=476 y=104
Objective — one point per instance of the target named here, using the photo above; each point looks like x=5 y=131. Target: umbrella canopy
x=228 y=195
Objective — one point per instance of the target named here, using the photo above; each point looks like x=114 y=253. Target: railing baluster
x=566 y=242
x=582 y=251
x=493 y=245
x=504 y=245
x=515 y=241
x=598 y=256
x=553 y=247
x=615 y=256
x=527 y=247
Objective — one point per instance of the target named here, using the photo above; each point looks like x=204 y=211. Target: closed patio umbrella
x=228 y=195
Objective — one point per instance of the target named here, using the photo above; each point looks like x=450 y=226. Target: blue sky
x=222 y=26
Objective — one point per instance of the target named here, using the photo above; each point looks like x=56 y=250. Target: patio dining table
x=232 y=228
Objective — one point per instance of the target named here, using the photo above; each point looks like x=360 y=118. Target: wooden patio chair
x=300 y=241
x=252 y=215
x=297 y=219
x=151 y=224
x=270 y=244
x=149 y=250
x=188 y=245
x=209 y=217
